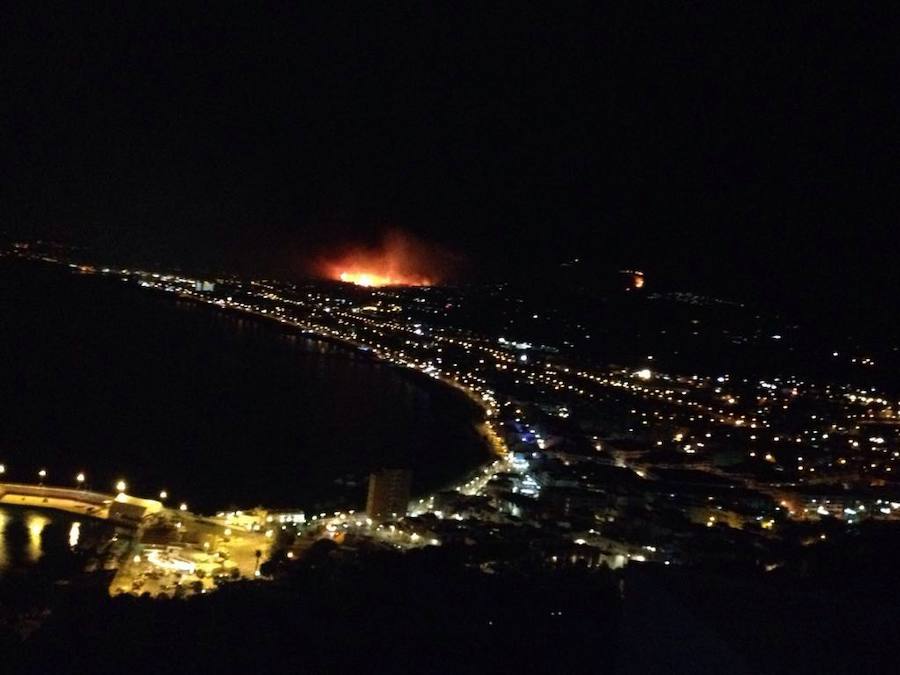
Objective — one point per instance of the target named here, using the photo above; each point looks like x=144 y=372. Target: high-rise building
x=388 y=494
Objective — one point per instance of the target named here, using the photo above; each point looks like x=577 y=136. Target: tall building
x=388 y=494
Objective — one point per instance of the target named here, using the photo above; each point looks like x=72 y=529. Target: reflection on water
x=4 y=556
x=20 y=537
x=28 y=536
x=35 y=523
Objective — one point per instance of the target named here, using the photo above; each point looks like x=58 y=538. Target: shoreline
x=468 y=415
x=492 y=446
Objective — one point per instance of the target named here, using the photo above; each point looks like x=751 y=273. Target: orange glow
x=635 y=279
x=398 y=260
x=370 y=279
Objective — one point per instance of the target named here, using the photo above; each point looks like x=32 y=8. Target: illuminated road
x=71 y=500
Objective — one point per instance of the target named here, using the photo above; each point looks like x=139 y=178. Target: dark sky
x=697 y=140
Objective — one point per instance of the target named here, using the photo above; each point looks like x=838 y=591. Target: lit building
x=388 y=493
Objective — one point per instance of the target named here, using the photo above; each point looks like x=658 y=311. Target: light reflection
x=4 y=552
x=74 y=534
x=35 y=523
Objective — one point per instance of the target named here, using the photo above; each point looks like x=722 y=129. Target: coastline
x=467 y=444
x=492 y=445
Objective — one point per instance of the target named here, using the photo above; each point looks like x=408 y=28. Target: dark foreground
x=340 y=609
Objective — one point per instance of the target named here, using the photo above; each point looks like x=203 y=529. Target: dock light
x=163 y=494
x=121 y=486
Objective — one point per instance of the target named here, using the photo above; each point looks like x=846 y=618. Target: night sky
x=715 y=145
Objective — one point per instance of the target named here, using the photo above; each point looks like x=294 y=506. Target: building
x=388 y=494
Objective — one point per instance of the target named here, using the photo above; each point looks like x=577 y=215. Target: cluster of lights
x=380 y=326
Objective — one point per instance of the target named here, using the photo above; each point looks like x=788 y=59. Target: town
x=593 y=464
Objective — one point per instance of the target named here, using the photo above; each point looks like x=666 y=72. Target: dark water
x=101 y=376
x=23 y=533
x=49 y=543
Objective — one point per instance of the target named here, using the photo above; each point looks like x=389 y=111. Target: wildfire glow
x=635 y=278
x=367 y=279
x=398 y=260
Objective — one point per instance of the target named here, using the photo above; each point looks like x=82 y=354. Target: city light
x=480 y=338
x=703 y=418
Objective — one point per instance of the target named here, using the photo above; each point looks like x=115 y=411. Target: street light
x=163 y=494
x=183 y=507
x=80 y=478
x=121 y=485
x=42 y=474
x=2 y=469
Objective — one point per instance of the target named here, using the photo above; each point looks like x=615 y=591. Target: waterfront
x=22 y=535
x=40 y=547
x=217 y=410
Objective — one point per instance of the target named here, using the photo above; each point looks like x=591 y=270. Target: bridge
x=121 y=509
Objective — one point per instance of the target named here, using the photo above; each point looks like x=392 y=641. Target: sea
x=221 y=411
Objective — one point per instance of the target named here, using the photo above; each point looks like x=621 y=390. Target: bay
x=221 y=411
